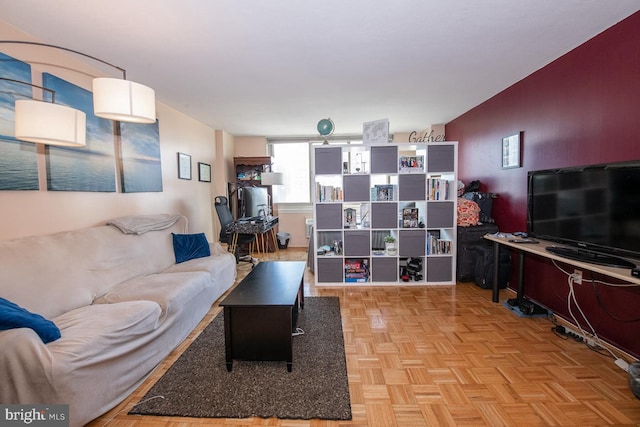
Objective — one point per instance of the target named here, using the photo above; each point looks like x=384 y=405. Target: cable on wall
x=571 y=298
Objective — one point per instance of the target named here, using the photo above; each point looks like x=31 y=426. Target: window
x=292 y=159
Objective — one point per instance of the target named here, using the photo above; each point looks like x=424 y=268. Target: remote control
x=523 y=241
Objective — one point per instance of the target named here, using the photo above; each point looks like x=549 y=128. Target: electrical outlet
x=577 y=277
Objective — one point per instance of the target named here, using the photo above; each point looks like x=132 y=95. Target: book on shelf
x=436 y=245
x=409 y=217
x=411 y=164
x=328 y=193
x=438 y=189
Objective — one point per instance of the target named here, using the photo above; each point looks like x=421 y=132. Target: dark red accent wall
x=583 y=108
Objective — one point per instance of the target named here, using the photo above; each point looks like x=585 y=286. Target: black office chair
x=224 y=215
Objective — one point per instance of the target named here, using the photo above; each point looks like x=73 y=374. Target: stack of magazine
x=356 y=270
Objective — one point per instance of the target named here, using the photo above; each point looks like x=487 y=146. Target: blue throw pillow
x=13 y=316
x=190 y=246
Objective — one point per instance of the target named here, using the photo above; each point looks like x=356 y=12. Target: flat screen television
x=255 y=202
x=593 y=211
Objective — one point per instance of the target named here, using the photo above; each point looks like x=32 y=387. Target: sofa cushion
x=173 y=292
x=99 y=331
x=190 y=246
x=13 y=316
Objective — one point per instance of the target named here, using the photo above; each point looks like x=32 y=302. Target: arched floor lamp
x=113 y=99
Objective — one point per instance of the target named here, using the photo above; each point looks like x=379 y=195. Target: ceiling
x=276 y=67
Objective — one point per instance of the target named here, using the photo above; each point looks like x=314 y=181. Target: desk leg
x=496 y=271
x=234 y=243
x=520 y=275
x=274 y=237
x=260 y=241
x=256 y=244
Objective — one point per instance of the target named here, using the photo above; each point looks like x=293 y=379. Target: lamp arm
x=122 y=70
x=53 y=92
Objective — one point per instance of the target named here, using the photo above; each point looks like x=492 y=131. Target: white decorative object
x=375 y=132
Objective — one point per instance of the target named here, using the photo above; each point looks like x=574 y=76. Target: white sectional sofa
x=121 y=302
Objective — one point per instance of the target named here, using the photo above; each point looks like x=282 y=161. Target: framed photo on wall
x=511 y=151
x=184 y=166
x=204 y=172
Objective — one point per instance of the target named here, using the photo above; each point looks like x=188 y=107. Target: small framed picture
x=411 y=164
x=184 y=166
x=204 y=172
x=410 y=218
x=511 y=151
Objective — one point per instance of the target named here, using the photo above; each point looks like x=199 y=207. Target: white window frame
x=302 y=207
x=280 y=166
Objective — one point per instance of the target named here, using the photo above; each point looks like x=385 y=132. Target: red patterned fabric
x=468 y=212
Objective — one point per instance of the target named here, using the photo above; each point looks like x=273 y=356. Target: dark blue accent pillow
x=13 y=316
x=190 y=246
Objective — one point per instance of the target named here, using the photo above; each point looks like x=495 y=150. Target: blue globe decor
x=325 y=127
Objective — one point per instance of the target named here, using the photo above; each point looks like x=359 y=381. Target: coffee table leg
x=228 y=349
x=301 y=293
x=289 y=366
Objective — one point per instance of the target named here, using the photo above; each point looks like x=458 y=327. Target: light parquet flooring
x=442 y=356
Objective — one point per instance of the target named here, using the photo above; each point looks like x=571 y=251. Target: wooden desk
x=263 y=230
x=540 y=250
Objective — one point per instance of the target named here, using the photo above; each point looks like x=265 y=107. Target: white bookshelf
x=366 y=192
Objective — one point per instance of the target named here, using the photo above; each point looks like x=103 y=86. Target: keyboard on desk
x=259 y=219
x=251 y=218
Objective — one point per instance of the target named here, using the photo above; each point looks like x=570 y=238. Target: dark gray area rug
x=198 y=384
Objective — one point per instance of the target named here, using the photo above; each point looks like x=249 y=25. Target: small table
x=261 y=313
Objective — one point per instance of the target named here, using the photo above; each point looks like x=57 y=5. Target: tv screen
x=594 y=208
x=255 y=202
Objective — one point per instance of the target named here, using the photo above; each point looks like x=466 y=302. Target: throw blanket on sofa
x=139 y=224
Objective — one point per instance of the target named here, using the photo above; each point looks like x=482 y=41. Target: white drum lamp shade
x=272 y=178
x=123 y=100
x=48 y=123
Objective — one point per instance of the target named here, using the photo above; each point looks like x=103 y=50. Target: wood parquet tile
x=442 y=356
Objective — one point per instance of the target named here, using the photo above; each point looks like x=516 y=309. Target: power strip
x=577 y=336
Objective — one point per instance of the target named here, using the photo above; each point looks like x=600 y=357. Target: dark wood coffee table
x=260 y=314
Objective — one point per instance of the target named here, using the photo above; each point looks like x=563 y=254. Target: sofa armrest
x=217 y=249
x=25 y=368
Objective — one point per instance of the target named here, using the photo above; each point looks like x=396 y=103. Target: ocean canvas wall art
x=18 y=159
x=90 y=168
